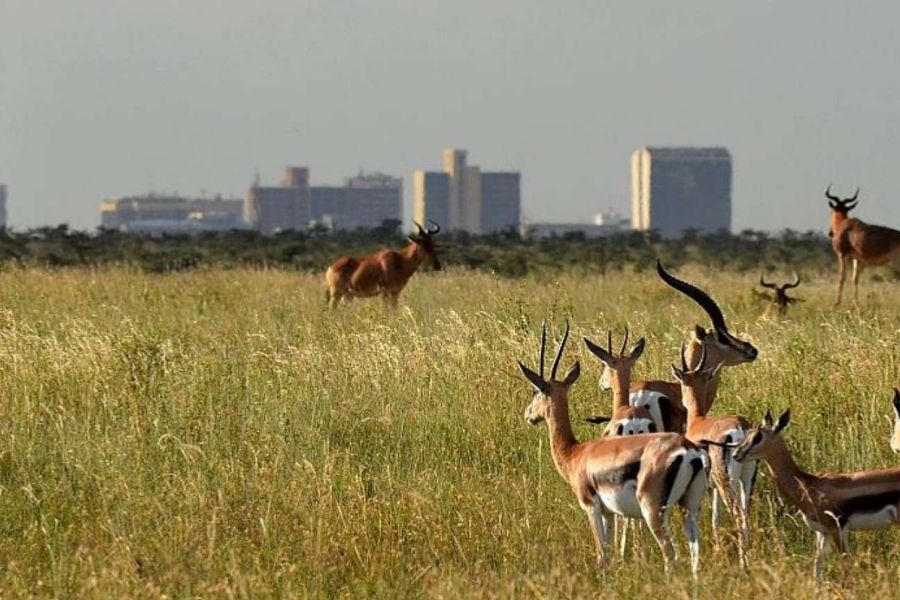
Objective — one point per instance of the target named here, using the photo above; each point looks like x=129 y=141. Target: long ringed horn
x=684 y=366
x=702 y=363
x=764 y=283
x=609 y=342
x=697 y=295
x=433 y=227
x=559 y=352
x=543 y=345
x=624 y=343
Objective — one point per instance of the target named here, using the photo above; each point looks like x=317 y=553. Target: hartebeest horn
x=559 y=352
x=764 y=283
x=697 y=295
x=433 y=227
x=543 y=345
x=419 y=227
x=829 y=196
x=793 y=284
x=850 y=203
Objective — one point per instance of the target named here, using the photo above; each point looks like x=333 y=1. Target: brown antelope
x=626 y=419
x=895 y=437
x=862 y=243
x=729 y=477
x=384 y=273
x=640 y=476
x=663 y=398
x=832 y=503
x=779 y=302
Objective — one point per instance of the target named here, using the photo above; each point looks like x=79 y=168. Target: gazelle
x=722 y=348
x=384 y=273
x=779 y=302
x=626 y=419
x=862 y=243
x=729 y=477
x=832 y=504
x=895 y=434
x=639 y=476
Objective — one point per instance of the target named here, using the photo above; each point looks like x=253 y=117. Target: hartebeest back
x=384 y=273
x=860 y=242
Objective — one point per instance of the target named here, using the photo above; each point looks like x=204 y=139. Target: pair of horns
x=700 y=365
x=843 y=205
x=559 y=352
x=776 y=287
x=433 y=228
x=697 y=295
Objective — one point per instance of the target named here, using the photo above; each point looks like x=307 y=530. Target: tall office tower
x=273 y=209
x=467 y=198
x=676 y=189
x=365 y=201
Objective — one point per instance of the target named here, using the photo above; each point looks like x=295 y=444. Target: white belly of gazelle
x=623 y=500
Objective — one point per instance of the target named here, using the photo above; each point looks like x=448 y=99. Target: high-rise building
x=272 y=209
x=463 y=197
x=155 y=214
x=676 y=189
x=365 y=201
x=2 y=206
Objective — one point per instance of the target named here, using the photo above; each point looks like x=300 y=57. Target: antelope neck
x=792 y=481
x=562 y=440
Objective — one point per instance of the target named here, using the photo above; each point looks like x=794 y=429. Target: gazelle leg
x=622 y=526
x=656 y=521
x=692 y=501
x=857 y=268
x=821 y=553
x=841 y=274
x=717 y=506
x=748 y=480
x=600 y=527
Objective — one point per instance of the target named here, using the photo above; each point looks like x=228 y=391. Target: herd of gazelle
x=654 y=454
x=661 y=445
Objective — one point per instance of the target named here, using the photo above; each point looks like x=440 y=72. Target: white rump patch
x=630 y=427
x=650 y=401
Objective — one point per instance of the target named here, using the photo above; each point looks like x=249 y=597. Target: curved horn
x=684 y=366
x=419 y=227
x=849 y=205
x=609 y=342
x=829 y=196
x=433 y=227
x=855 y=196
x=793 y=284
x=559 y=352
x=624 y=343
x=764 y=283
x=543 y=345
x=697 y=295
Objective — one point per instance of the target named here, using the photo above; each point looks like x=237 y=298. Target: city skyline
x=99 y=101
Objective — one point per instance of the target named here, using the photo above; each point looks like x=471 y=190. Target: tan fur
x=862 y=243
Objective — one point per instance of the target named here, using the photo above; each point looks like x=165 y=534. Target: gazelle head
x=699 y=378
x=612 y=363
x=839 y=208
x=425 y=245
x=549 y=394
x=895 y=437
x=781 y=299
x=721 y=346
x=760 y=440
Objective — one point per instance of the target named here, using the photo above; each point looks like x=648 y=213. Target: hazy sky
x=105 y=98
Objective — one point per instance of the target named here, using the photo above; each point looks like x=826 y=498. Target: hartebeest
x=832 y=503
x=860 y=242
x=639 y=476
x=663 y=398
x=384 y=273
x=895 y=433
x=779 y=301
x=730 y=478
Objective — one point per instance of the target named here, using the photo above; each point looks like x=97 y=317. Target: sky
x=103 y=98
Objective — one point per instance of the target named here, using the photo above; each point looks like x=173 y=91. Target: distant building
x=588 y=230
x=2 y=206
x=463 y=197
x=156 y=214
x=272 y=209
x=365 y=201
x=675 y=189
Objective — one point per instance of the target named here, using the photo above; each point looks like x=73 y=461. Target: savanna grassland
x=219 y=433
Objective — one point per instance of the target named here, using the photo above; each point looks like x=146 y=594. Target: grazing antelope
x=862 y=243
x=779 y=302
x=640 y=476
x=831 y=503
x=384 y=273
x=895 y=437
x=626 y=419
x=729 y=477
x=664 y=397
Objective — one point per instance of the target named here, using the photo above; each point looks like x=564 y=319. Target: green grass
x=218 y=433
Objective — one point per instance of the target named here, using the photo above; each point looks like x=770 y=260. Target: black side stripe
x=671 y=474
x=665 y=411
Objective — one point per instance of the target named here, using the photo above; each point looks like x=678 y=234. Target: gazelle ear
x=572 y=375
x=767 y=419
x=536 y=380
x=638 y=349
x=783 y=421
x=598 y=351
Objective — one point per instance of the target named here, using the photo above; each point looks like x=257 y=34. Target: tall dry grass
x=221 y=434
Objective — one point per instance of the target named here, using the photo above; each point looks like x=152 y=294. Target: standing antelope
x=639 y=476
x=664 y=397
x=895 y=437
x=831 y=503
x=383 y=273
x=779 y=302
x=729 y=477
x=862 y=243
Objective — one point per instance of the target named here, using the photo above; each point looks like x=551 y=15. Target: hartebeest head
x=839 y=209
x=425 y=245
x=721 y=346
x=781 y=299
x=549 y=394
